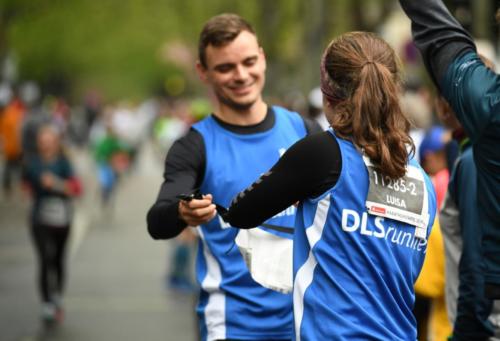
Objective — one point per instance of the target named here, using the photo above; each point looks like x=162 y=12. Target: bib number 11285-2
x=404 y=199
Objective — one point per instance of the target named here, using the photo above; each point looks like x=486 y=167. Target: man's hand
x=197 y=211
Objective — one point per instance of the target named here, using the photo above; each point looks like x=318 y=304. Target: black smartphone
x=185 y=197
x=189 y=197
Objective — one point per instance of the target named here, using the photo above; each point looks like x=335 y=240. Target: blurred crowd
x=114 y=133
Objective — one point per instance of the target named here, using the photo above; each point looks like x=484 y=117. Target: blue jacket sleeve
x=473 y=91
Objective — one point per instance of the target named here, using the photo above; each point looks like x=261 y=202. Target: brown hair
x=363 y=85
x=219 y=31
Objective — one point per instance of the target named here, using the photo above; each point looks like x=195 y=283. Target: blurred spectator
x=5 y=94
x=172 y=122
x=432 y=154
x=112 y=156
x=179 y=277
x=60 y=112
x=92 y=108
x=11 y=120
x=416 y=106
x=35 y=117
x=315 y=110
x=49 y=175
x=430 y=308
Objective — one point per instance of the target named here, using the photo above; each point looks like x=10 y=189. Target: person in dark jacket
x=473 y=91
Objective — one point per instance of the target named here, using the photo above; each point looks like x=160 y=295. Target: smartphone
x=189 y=197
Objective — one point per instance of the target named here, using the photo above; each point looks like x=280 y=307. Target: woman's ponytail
x=369 y=114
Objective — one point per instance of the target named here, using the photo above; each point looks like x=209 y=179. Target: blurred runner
x=52 y=182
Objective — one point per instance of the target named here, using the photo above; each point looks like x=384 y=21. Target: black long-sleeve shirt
x=308 y=169
x=184 y=172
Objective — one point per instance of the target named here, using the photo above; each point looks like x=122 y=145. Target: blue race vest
x=354 y=272
x=232 y=305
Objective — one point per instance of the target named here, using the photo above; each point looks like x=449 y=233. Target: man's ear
x=202 y=71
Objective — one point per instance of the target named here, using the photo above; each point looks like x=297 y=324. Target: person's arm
x=184 y=169
x=308 y=168
x=438 y=35
x=449 y=54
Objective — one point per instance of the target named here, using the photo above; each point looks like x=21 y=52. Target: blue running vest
x=231 y=304
x=353 y=272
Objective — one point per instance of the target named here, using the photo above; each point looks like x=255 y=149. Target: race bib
x=54 y=211
x=404 y=199
x=268 y=258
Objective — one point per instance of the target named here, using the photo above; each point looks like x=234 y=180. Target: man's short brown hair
x=219 y=31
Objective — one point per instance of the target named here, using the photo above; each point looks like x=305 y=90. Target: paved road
x=116 y=287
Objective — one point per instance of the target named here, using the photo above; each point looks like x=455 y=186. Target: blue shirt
x=232 y=305
x=354 y=273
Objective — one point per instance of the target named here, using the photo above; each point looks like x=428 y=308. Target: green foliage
x=121 y=47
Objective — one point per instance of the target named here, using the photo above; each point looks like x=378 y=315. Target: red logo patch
x=377 y=209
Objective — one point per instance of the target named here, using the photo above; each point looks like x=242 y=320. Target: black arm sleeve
x=437 y=34
x=309 y=168
x=184 y=169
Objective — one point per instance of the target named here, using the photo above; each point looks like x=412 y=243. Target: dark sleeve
x=437 y=34
x=473 y=91
x=312 y=126
x=308 y=168
x=184 y=169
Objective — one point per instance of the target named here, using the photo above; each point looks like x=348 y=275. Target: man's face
x=236 y=71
